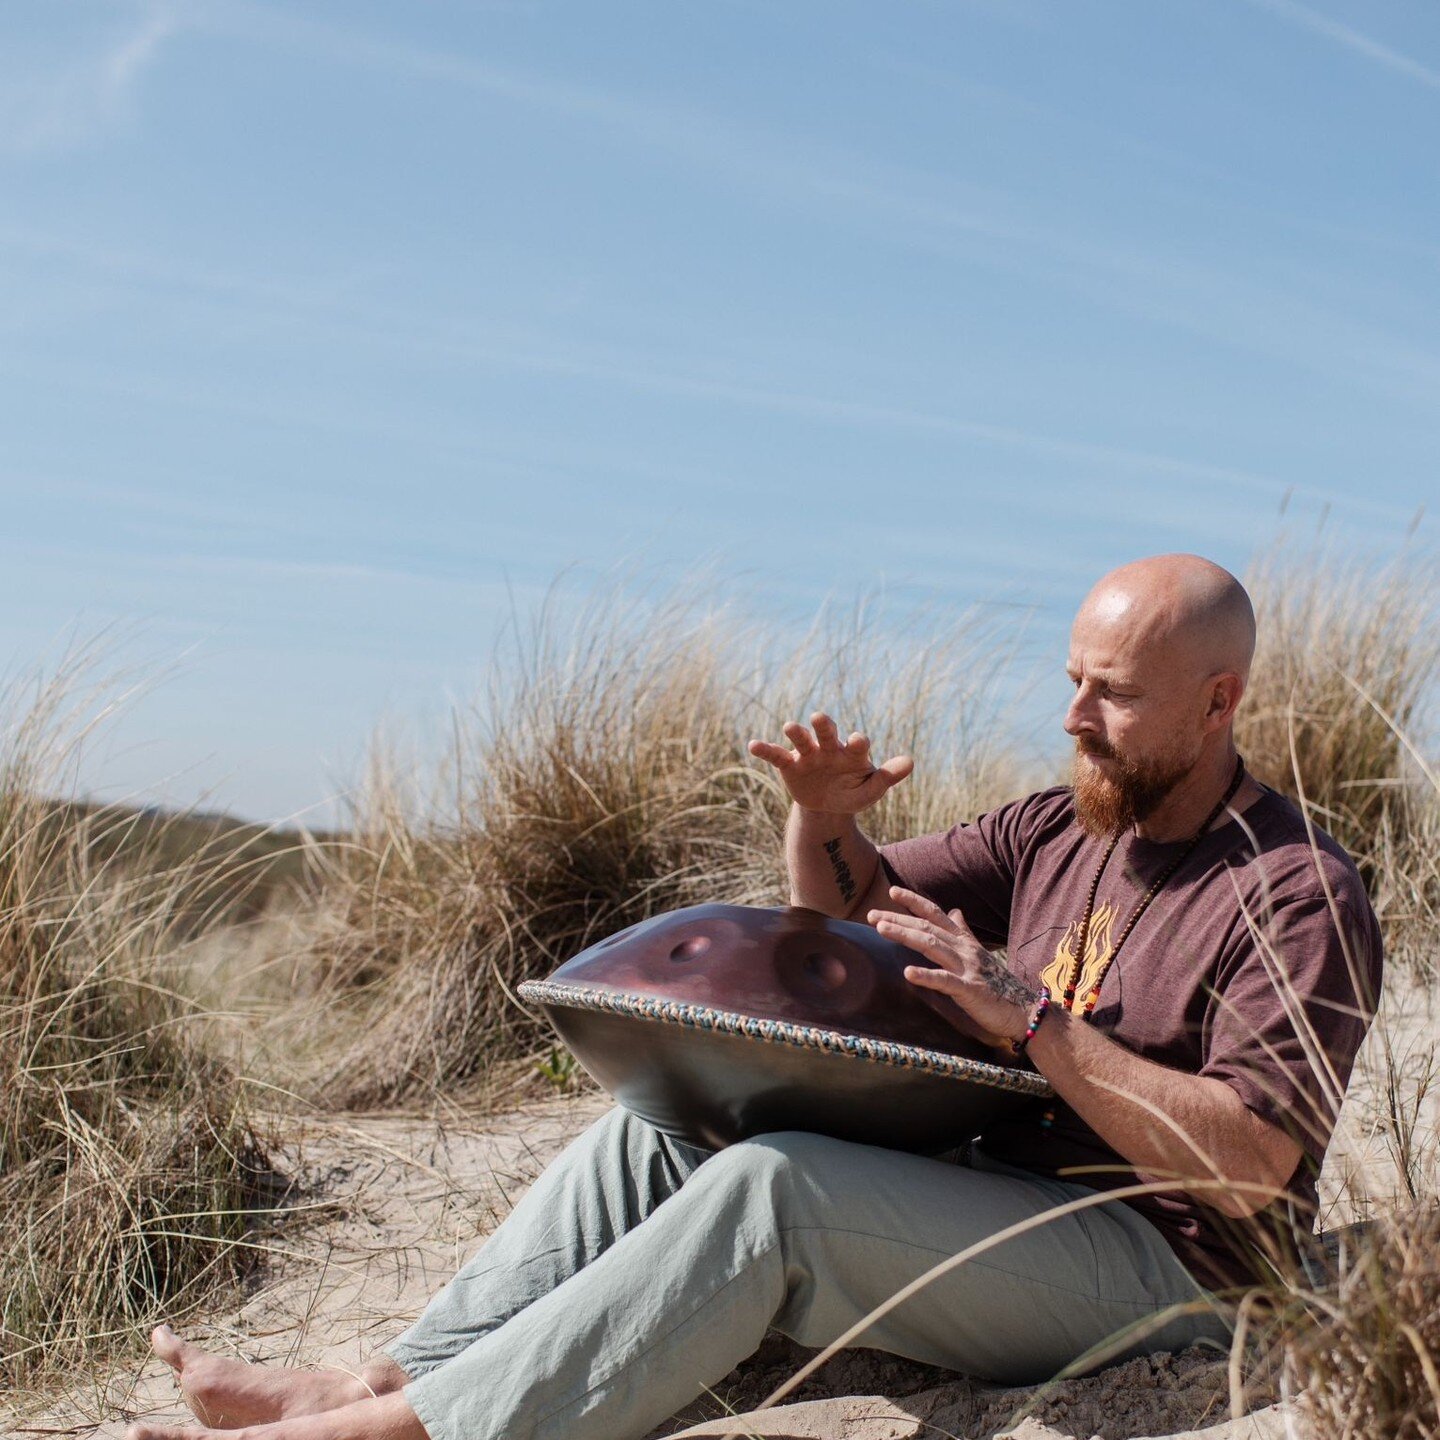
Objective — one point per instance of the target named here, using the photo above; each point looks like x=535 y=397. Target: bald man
x=1191 y=970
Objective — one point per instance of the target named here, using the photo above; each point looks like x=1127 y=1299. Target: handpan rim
x=706 y=1018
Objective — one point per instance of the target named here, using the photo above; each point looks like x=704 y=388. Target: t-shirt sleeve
x=1292 y=1004
x=970 y=868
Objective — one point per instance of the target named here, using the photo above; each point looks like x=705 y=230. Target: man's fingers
x=895 y=769
x=952 y=920
x=911 y=930
x=929 y=979
x=799 y=737
x=880 y=779
x=944 y=994
x=918 y=935
x=777 y=755
x=958 y=920
x=927 y=909
x=857 y=742
x=825 y=732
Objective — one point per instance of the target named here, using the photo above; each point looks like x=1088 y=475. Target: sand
x=398 y=1202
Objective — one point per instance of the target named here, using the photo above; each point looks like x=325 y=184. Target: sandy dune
x=398 y=1202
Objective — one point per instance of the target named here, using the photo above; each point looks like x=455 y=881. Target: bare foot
x=226 y=1394
x=385 y=1417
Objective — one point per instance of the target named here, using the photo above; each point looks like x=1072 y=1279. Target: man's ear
x=1223 y=699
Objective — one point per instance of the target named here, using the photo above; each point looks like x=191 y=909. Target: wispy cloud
x=1223 y=308
x=71 y=102
x=182 y=275
x=1352 y=40
x=613 y=368
x=146 y=563
x=960 y=222
x=755 y=155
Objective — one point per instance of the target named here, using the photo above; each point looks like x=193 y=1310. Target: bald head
x=1195 y=612
x=1159 y=654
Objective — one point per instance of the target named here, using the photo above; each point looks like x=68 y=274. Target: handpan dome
x=719 y=1022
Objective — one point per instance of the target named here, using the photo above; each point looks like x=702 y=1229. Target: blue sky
x=333 y=331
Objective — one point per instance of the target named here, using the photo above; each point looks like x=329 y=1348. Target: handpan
x=719 y=1022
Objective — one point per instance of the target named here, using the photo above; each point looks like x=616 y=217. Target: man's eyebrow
x=1113 y=678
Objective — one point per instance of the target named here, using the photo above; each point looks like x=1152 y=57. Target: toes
x=168 y=1346
x=142 y=1431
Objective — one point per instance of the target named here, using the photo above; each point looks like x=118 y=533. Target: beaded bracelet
x=1033 y=1024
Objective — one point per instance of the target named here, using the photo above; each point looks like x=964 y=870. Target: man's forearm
x=832 y=865
x=1166 y=1124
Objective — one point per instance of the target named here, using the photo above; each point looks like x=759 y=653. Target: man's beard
x=1107 y=803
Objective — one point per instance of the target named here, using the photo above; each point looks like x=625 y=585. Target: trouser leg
x=603 y=1184
x=809 y=1234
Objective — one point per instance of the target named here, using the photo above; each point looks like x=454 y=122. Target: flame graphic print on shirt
x=1097 y=951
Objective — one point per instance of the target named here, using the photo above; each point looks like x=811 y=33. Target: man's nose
x=1079 y=717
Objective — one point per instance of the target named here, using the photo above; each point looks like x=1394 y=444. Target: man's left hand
x=992 y=999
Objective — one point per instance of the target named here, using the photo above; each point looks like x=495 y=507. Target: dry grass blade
x=1348 y=657
x=604 y=781
x=126 y=1160
x=1358 y=1356
x=1366 y=1364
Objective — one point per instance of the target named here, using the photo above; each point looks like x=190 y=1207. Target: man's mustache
x=1087 y=745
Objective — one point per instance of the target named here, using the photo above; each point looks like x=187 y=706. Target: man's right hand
x=827 y=774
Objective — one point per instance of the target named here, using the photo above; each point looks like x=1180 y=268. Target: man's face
x=1135 y=715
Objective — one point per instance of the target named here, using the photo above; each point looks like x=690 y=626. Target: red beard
x=1107 y=802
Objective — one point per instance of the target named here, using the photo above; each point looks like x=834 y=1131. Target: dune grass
x=1340 y=716
x=605 y=780
x=127 y=1162
x=1347 y=658
x=1368 y=1362
x=1360 y=1355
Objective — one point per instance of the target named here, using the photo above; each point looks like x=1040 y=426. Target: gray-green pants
x=636 y=1271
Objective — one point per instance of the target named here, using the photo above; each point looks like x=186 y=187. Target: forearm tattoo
x=843 y=878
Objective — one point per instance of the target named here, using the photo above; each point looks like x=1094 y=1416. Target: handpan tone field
x=719 y=1022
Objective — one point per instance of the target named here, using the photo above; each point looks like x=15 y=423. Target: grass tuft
x=127 y=1162
x=605 y=781
x=1346 y=665
x=1366 y=1361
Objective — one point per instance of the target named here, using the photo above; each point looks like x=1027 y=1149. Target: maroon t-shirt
x=1207 y=983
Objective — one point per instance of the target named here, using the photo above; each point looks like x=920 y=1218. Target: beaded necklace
x=1068 y=998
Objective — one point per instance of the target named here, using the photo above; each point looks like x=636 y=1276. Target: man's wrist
x=836 y=818
x=1034 y=1017
x=1052 y=1031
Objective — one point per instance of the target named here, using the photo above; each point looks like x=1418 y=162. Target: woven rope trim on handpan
x=784 y=1032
